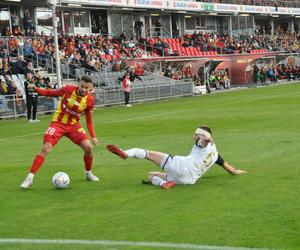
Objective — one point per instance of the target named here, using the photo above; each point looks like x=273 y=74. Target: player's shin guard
x=136 y=153
x=88 y=162
x=37 y=163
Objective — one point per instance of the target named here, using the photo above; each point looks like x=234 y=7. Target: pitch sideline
x=122 y=243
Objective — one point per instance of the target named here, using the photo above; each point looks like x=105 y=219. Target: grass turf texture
x=254 y=129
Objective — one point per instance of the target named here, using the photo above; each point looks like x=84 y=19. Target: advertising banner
x=253 y=9
x=191 y=6
x=278 y=11
x=98 y=2
x=155 y=4
x=184 y=5
x=227 y=8
x=295 y=11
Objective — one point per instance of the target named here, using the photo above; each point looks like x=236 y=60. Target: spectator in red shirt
x=139 y=71
x=126 y=86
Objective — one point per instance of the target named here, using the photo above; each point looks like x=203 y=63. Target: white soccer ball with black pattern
x=60 y=180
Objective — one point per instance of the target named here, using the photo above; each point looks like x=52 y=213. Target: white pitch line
x=197 y=108
x=167 y=113
x=20 y=136
x=124 y=243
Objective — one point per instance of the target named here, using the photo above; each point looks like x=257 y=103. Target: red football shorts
x=76 y=133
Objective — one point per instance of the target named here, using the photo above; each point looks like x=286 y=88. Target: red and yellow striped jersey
x=71 y=105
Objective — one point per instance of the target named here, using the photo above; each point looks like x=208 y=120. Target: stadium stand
x=279 y=3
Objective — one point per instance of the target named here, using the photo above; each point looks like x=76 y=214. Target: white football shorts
x=177 y=169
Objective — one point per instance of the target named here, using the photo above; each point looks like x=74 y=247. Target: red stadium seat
x=188 y=51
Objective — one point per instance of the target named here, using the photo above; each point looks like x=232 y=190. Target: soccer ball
x=60 y=180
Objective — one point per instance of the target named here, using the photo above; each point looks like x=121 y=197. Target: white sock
x=136 y=153
x=157 y=181
x=30 y=175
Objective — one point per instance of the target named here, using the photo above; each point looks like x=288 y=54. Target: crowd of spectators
x=179 y=73
x=226 y=44
x=217 y=80
x=14 y=69
x=275 y=3
x=262 y=73
x=97 y=53
x=105 y=53
x=9 y=90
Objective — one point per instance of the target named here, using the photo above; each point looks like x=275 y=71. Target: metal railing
x=12 y=107
x=157 y=32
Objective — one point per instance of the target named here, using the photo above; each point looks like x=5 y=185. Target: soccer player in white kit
x=181 y=169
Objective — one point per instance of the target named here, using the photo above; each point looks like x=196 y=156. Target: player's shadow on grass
x=212 y=177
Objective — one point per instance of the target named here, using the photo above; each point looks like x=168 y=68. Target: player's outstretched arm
x=49 y=92
x=232 y=170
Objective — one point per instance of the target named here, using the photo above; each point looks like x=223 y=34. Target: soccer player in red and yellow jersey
x=75 y=101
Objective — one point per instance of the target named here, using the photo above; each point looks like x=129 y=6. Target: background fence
x=12 y=107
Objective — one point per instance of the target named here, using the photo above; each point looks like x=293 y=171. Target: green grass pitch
x=254 y=129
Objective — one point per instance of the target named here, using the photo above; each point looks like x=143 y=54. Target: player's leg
x=29 y=106
x=88 y=160
x=131 y=153
x=156 y=178
x=126 y=94
x=34 y=111
x=159 y=158
x=160 y=179
x=79 y=137
x=138 y=153
x=37 y=163
x=156 y=157
x=51 y=137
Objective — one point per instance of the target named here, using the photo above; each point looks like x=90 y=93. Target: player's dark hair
x=206 y=128
x=86 y=78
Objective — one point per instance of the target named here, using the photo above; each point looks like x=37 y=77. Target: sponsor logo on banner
x=227 y=7
x=295 y=11
x=106 y=2
x=154 y=3
x=186 y=5
x=254 y=9
x=279 y=10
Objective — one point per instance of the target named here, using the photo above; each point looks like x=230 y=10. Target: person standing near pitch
x=180 y=169
x=75 y=101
